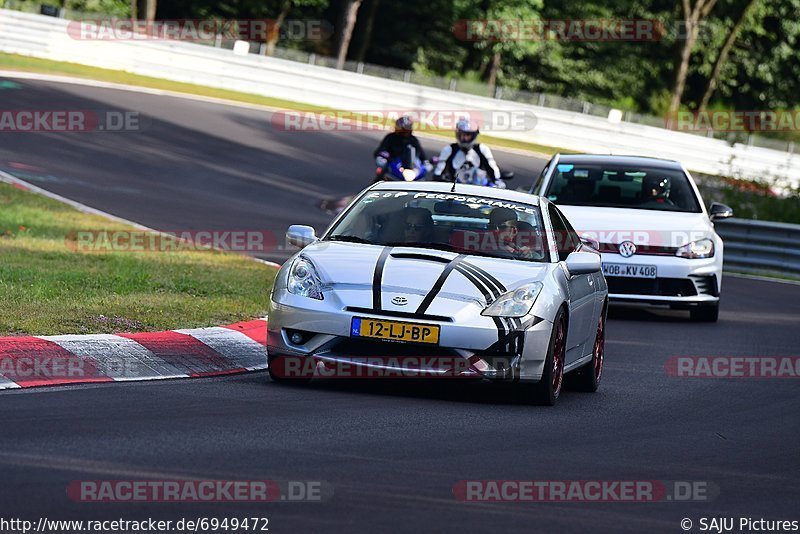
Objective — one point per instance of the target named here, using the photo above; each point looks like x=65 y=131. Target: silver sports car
x=441 y=280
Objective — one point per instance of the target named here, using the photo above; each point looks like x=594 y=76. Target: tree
x=348 y=23
x=693 y=16
x=722 y=57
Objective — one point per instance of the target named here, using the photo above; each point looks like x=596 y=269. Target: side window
x=567 y=239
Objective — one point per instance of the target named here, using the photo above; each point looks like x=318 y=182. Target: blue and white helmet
x=466 y=133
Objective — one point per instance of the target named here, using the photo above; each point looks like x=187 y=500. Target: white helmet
x=466 y=133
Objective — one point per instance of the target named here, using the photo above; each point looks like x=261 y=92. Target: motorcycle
x=471 y=175
x=407 y=168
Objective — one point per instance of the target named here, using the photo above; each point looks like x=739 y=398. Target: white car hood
x=349 y=270
x=643 y=227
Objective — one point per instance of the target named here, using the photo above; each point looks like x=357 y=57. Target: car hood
x=409 y=274
x=648 y=227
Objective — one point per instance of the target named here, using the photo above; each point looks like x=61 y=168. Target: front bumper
x=680 y=282
x=467 y=349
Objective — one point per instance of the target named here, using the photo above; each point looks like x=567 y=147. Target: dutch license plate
x=395 y=330
x=630 y=271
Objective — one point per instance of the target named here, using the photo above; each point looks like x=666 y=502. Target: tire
x=705 y=314
x=587 y=378
x=546 y=392
x=276 y=366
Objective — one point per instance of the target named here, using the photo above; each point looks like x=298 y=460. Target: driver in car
x=656 y=190
x=506 y=227
x=419 y=226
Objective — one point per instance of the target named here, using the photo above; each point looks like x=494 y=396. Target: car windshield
x=616 y=186
x=445 y=221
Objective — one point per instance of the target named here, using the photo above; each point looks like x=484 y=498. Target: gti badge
x=627 y=249
x=399 y=301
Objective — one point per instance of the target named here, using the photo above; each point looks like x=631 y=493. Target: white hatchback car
x=647 y=219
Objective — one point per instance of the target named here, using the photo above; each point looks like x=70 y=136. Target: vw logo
x=627 y=249
x=399 y=301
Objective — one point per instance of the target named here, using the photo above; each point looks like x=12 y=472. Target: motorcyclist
x=466 y=151
x=394 y=144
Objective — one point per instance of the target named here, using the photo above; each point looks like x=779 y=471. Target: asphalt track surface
x=390 y=452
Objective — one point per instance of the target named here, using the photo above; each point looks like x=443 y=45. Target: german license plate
x=630 y=271
x=395 y=330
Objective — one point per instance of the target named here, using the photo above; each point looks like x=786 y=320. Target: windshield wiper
x=349 y=239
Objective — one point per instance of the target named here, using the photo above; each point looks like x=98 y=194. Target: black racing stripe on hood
x=502 y=329
x=437 y=286
x=499 y=289
x=377 y=278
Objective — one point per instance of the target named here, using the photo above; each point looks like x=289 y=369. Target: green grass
x=46 y=66
x=47 y=287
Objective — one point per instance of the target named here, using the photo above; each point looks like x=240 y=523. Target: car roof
x=460 y=189
x=658 y=163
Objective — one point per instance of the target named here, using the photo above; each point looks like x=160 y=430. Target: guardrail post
x=360 y=67
x=407 y=76
x=453 y=84
x=312 y=58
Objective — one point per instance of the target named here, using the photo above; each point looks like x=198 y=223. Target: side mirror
x=583 y=263
x=591 y=242
x=506 y=175
x=300 y=235
x=720 y=211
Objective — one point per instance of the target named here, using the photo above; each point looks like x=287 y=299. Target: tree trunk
x=146 y=10
x=723 y=54
x=274 y=32
x=692 y=17
x=494 y=67
x=366 y=35
x=349 y=17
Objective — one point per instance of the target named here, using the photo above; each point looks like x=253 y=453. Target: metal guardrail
x=758 y=246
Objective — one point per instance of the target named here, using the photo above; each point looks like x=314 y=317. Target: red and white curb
x=32 y=361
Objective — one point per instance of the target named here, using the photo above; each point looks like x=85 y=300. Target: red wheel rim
x=559 y=348
x=599 y=348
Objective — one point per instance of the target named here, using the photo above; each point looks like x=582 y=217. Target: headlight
x=515 y=303
x=704 y=248
x=303 y=280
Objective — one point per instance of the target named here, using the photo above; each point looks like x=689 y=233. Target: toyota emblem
x=399 y=301
x=627 y=249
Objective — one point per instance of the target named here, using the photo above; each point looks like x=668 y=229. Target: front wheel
x=549 y=387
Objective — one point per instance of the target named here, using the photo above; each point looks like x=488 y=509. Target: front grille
x=664 y=287
x=641 y=250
